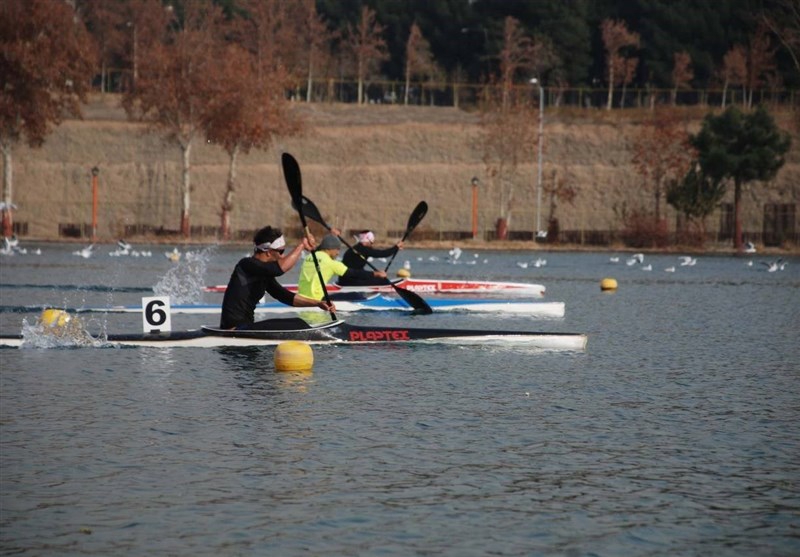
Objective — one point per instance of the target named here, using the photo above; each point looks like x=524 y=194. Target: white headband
x=366 y=237
x=276 y=244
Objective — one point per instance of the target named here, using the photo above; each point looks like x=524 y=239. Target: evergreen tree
x=740 y=148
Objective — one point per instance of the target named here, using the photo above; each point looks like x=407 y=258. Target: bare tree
x=173 y=84
x=784 y=22
x=760 y=61
x=661 y=153
x=368 y=47
x=316 y=39
x=734 y=70
x=419 y=59
x=616 y=38
x=682 y=73
x=245 y=113
x=46 y=66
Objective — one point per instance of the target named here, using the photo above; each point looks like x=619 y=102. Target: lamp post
x=475 y=183
x=95 y=172
x=539 y=232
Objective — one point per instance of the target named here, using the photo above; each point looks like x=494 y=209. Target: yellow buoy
x=55 y=318
x=608 y=284
x=404 y=273
x=293 y=355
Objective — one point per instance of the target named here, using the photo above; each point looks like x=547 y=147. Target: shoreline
x=475 y=245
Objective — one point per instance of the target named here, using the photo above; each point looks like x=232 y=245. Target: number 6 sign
x=155 y=314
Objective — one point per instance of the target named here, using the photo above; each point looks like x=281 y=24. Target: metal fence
x=455 y=94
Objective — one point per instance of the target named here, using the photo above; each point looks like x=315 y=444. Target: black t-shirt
x=249 y=281
x=353 y=257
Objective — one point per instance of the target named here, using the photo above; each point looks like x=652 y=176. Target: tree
x=245 y=112
x=784 y=22
x=507 y=137
x=760 y=61
x=740 y=148
x=419 y=60
x=316 y=38
x=46 y=66
x=367 y=46
x=682 y=73
x=734 y=70
x=616 y=39
x=696 y=195
x=173 y=84
x=661 y=153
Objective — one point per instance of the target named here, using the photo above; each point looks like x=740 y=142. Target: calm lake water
x=677 y=432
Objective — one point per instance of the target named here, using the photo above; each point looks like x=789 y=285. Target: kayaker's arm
x=301 y=301
x=288 y=261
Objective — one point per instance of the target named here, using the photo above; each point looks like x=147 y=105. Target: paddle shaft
x=411 y=298
x=291 y=172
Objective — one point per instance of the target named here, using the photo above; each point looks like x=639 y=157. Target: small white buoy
x=608 y=284
x=294 y=355
x=404 y=273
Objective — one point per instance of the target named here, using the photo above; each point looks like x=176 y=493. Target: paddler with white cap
x=256 y=275
x=356 y=258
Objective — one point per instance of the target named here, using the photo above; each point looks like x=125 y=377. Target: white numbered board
x=156 y=314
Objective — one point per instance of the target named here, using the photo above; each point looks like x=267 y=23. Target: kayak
x=336 y=332
x=431 y=286
x=376 y=302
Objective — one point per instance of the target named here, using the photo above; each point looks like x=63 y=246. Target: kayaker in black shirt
x=356 y=258
x=256 y=274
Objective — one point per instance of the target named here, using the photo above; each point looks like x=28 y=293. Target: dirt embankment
x=365 y=167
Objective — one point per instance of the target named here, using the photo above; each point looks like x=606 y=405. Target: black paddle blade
x=416 y=217
x=413 y=299
x=294 y=181
x=310 y=210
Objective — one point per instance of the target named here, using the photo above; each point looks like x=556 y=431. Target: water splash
x=184 y=282
x=71 y=334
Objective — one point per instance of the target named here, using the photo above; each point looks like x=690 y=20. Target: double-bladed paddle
x=291 y=173
x=413 y=220
x=413 y=299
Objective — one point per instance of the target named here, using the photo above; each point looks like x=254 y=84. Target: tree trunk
x=610 y=87
x=737 y=217
x=8 y=219
x=186 y=148
x=408 y=83
x=227 y=203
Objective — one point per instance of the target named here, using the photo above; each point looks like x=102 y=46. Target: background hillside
x=364 y=166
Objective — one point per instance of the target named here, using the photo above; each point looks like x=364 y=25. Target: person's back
x=309 y=285
x=356 y=258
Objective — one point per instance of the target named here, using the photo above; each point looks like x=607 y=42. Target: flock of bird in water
x=124 y=249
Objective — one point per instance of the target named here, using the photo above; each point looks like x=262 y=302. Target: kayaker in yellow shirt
x=308 y=284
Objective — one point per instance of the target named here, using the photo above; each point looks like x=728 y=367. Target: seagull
x=455 y=253
x=522 y=264
x=86 y=252
x=772 y=266
x=614 y=259
x=687 y=261
x=407 y=265
x=750 y=263
x=749 y=247
x=777 y=265
x=648 y=267
x=124 y=245
x=540 y=262
x=669 y=270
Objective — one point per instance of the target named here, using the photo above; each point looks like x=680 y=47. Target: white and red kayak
x=433 y=286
